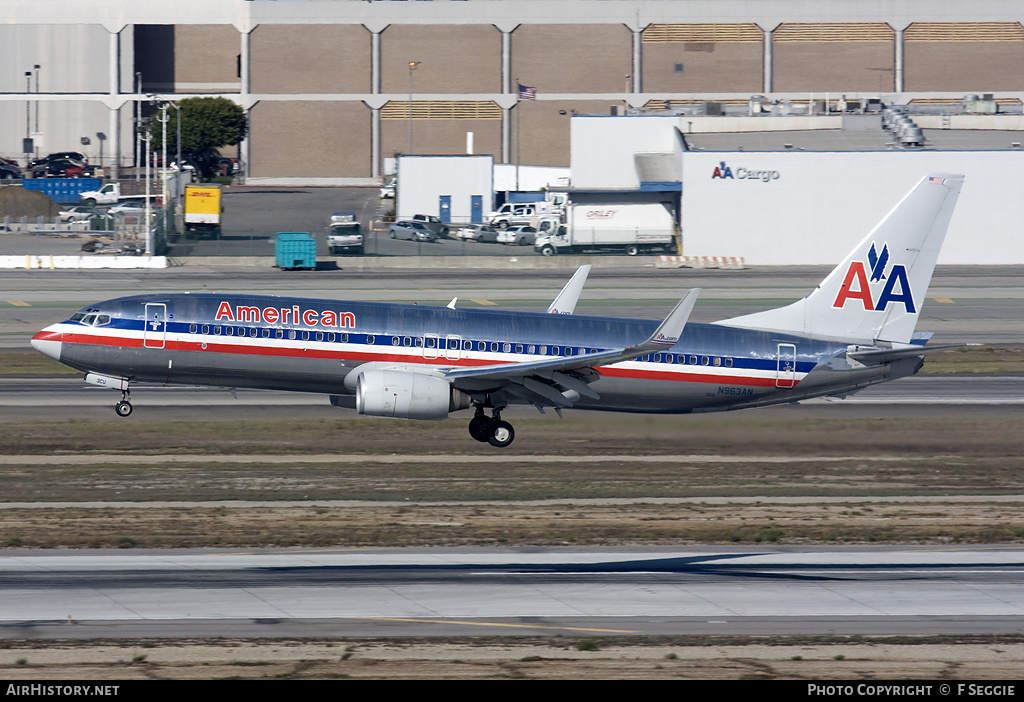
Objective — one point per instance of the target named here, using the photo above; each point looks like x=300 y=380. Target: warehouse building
x=333 y=88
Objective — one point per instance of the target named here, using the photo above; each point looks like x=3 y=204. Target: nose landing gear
x=491 y=430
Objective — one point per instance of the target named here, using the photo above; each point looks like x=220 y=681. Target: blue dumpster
x=295 y=250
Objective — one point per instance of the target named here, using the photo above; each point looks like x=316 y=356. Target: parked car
x=432 y=223
x=416 y=231
x=129 y=206
x=78 y=213
x=387 y=191
x=483 y=233
x=61 y=168
x=518 y=236
x=8 y=171
x=76 y=156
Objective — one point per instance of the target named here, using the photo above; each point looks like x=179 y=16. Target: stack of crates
x=295 y=250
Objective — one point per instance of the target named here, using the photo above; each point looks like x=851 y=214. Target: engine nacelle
x=406 y=395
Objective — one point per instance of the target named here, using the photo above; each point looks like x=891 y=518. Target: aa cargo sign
x=724 y=171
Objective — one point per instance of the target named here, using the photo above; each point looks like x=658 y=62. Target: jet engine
x=406 y=395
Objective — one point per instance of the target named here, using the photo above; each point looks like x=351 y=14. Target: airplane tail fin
x=875 y=295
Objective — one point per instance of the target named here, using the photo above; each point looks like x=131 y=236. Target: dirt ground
x=505 y=658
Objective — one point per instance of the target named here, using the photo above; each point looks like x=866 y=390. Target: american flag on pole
x=527 y=93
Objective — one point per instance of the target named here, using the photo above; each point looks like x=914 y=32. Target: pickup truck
x=432 y=223
x=109 y=194
x=344 y=234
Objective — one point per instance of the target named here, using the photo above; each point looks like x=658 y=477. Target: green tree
x=206 y=123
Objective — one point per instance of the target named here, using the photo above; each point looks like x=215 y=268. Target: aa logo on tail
x=858 y=286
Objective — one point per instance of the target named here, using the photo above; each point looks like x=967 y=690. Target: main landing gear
x=124 y=407
x=491 y=430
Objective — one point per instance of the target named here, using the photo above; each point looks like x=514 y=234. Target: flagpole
x=519 y=121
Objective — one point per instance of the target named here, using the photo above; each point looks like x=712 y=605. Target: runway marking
x=944 y=300
x=117 y=458
x=495 y=624
x=18 y=303
x=485 y=303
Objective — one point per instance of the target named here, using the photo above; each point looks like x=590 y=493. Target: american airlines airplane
x=417 y=362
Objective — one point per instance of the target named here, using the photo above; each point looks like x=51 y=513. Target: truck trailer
x=632 y=228
x=202 y=211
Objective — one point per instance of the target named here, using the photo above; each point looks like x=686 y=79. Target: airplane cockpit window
x=77 y=317
x=102 y=319
x=89 y=319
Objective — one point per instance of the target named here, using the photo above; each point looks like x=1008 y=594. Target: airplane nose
x=48 y=342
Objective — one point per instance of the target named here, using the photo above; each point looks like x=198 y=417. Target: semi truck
x=632 y=228
x=202 y=211
x=344 y=234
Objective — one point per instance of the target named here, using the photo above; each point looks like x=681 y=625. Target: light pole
x=138 y=123
x=412 y=67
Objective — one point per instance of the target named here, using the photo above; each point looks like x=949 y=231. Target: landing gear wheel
x=502 y=434
x=632 y=250
x=481 y=428
x=123 y=408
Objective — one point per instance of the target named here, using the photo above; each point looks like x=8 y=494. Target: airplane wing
x=543 y=382
x=565 y=301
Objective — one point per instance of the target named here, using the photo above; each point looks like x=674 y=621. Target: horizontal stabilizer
x=897 y=353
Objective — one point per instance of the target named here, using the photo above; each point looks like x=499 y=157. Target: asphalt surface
x=467 y=592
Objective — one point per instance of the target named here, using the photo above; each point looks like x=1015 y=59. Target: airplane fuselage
x=312 y=345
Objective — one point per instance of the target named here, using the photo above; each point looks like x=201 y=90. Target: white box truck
x=632 y=229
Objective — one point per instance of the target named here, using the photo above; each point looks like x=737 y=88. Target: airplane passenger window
x=320 y=336
x=407 y=341
x=229 y=330
x=279 y=333
x=266 y=333
x=369 y=338
x=530 y=348
x=254 y=332
x=217 y=330
x=693 y=360
x=728 y=363
x=395 y=340
x=519 y=348
x=291 y=334
x=543 y=350
x=192 y=328
x=344 y=338
x=330 y=336
x=481 y=346
x=507 y=347
x=467 y=345
x=494 y=346
x=305 y=336
x=704 y=360
x=206 y=328
x=718 y=361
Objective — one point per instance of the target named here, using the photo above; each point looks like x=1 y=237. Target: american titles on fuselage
x=284 y=315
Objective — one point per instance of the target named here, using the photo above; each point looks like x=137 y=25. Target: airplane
x=420 y=362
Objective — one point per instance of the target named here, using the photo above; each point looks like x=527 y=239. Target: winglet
x=669 y=331
x=565 y=301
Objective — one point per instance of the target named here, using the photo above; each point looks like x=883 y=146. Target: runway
x=64 y=394
x=462 y=592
